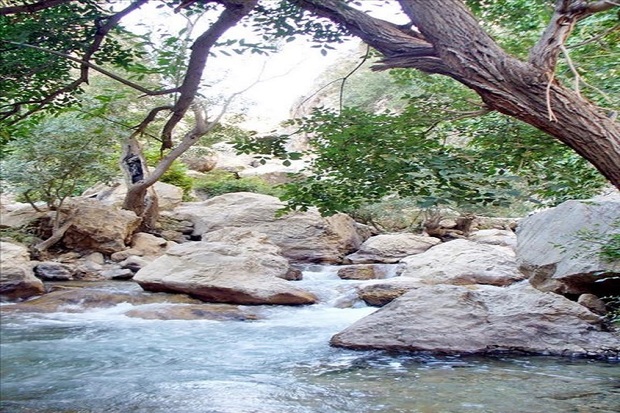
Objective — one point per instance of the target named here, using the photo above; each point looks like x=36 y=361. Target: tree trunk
x=450 y=42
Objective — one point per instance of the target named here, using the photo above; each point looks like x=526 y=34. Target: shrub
x=219 y=182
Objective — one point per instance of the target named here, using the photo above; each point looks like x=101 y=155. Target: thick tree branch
x=235 y=10
x=388 y=38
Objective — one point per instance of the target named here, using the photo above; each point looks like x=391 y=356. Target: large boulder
x=462 y=262
x=100 y=228
x=230 y=266
x=559 y=248
x=17 y=279
x=168 y=196
x=302 y=236
x=482 y=319
x=390 y=248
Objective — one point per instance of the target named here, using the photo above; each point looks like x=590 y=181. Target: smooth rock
x=302 y=236
x=462 y=262
x=17 y=279
x=482 y=319
x=225 y=270
x=390 y=248
x=559 y=248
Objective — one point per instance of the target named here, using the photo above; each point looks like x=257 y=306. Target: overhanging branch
x=96 y=68
x=31 y=8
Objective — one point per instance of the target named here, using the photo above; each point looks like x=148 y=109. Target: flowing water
x=103 y=361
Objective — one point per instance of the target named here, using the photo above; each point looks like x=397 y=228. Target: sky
x=286 y=75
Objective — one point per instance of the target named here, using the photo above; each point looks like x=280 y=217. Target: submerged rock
x=482 y=319
x=86 y=296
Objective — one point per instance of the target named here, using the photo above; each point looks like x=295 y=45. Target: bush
x=219 y=182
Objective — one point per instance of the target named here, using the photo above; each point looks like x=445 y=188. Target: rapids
x=100 y=360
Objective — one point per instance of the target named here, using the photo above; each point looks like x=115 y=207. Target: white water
x=104 y=361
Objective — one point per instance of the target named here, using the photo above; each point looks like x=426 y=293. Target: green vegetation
x=58 y=158
x=221 y=182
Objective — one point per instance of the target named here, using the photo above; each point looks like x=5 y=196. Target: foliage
x=610 y=251
x=59 y=158
x=362 y=157
x=30 y=74
x=596 y=242
x=219 y=182
x=612 y=303
x=392 y=214
x=24 y=235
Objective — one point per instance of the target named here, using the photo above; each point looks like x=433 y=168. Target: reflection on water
x=104 y=361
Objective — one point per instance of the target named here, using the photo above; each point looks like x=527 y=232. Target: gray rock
x=390 y=248
x=302 y=236
x=17 y=280
x=482 y=319
x=462 y=262
x=558 y=249
x=231 y=266
x=53 y=271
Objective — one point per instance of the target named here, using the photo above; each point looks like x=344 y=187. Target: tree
x=73 y=38
x=446 y=39
x=50 y=48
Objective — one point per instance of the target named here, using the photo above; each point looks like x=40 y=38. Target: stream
x=101 y=360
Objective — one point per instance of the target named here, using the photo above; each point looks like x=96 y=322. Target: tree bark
x=450 y=42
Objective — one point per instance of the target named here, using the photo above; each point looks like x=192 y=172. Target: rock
x=363 y=272
x=482 y=319
x=225 y=270
x=592 y=303
x=134 y=263
x=216 y=312
x=142 y=245
x=22 y=215
x=95 y=257
x=53 y=271
x=168 y=196
x=462 y=262
x=149 y=244
x=88 y=234
x=17 y=280
x=274 y=173
x=201 y=159
x=390 y=248
x=302 y=236
x=79 y=299
x=380 y=294
x=117 y=274
x=501 y=237
x=559 y=248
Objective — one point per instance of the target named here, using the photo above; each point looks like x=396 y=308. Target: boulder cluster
x=535 y=290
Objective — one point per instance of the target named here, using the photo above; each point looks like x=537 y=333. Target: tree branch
x=102 y=31
x=96 y=68
x=544 y=55
x=31 y=8
x=235 y=10
x=388 y=38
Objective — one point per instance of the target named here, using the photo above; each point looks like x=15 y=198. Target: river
x=100 y=360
